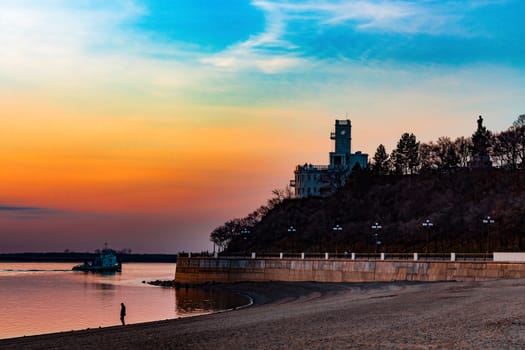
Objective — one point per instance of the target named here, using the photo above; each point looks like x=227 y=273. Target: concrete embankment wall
x=201 y=270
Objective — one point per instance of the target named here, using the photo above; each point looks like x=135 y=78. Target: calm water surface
x=40 y=298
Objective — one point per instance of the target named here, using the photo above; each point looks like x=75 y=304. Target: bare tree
x=506 y=148
x=428 y=158
x=447 y=153
x=520 y=121
x=519 y=129
x=463 y=146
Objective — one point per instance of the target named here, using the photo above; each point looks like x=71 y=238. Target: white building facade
x=323 y=180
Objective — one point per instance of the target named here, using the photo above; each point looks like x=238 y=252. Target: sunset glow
x=146 y=124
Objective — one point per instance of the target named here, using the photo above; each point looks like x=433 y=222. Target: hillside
x=455 y=202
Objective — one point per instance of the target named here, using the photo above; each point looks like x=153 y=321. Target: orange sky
x=147 y=124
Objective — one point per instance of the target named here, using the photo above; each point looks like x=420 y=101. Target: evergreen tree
x=405 y=156
x=381 y=165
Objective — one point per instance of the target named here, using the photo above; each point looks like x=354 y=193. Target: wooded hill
x=417 y=182
x=456 y=203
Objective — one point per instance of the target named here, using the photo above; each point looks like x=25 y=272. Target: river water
x=38 y=298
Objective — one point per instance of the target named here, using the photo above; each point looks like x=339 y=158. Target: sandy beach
x=473 y=315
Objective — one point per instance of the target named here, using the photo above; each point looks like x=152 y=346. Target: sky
x=146 y=124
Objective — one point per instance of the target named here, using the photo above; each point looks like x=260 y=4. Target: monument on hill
x=480 y=144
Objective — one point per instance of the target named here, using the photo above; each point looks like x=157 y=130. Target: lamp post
x=427 y=224
x=291 y=230
x=375 y=229
x=245 y=232
x=488 y=221
x=336 y=228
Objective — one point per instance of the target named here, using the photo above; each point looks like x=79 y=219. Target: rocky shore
x=473 y=315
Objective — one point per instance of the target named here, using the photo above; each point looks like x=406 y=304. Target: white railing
x=351 y=256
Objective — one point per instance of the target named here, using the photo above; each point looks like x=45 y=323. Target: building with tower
x=322 y=180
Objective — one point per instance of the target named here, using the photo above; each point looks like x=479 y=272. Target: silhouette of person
x=122 y=313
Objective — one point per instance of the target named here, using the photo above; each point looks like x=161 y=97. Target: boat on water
x=106 y=262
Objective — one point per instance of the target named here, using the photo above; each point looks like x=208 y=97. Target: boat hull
x=106 y=262
x=97 y=268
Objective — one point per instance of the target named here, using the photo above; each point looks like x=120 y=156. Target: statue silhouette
x=480 y=123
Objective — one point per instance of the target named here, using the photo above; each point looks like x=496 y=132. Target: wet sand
x=473 y=315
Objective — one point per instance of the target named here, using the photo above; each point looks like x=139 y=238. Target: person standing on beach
x=122 y=313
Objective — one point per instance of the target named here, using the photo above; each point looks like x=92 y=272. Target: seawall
x=197 y=270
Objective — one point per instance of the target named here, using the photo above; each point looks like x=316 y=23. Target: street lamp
x=427 y=224
x=291 y=230
x=375 y=228
x=245 y=232
x=488 y=221
x=336 y=228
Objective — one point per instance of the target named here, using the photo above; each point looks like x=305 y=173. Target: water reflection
x=104 y=286
x=49 y=297
x=191 y=300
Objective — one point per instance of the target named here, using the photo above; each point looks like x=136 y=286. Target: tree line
x=506 y=149
x=240 y=227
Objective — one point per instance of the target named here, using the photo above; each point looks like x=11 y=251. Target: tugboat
x=105 y=262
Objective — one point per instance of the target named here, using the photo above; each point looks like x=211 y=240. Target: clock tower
x=342 y=136
x=322 y=180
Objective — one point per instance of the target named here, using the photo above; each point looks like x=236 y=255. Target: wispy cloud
x=11 y=208
x=14 y=212
x=58 y=28
x=427 y=17
x=268 y=51
x=282 y=46
x=68 y=45
x=59 y=39
x=385 y=16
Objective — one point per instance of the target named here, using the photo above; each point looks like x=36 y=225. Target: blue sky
x=245 y=44
x=441 y=32
x=270 y=52
x=210 y=25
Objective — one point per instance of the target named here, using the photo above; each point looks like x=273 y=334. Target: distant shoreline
x=80 y=257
